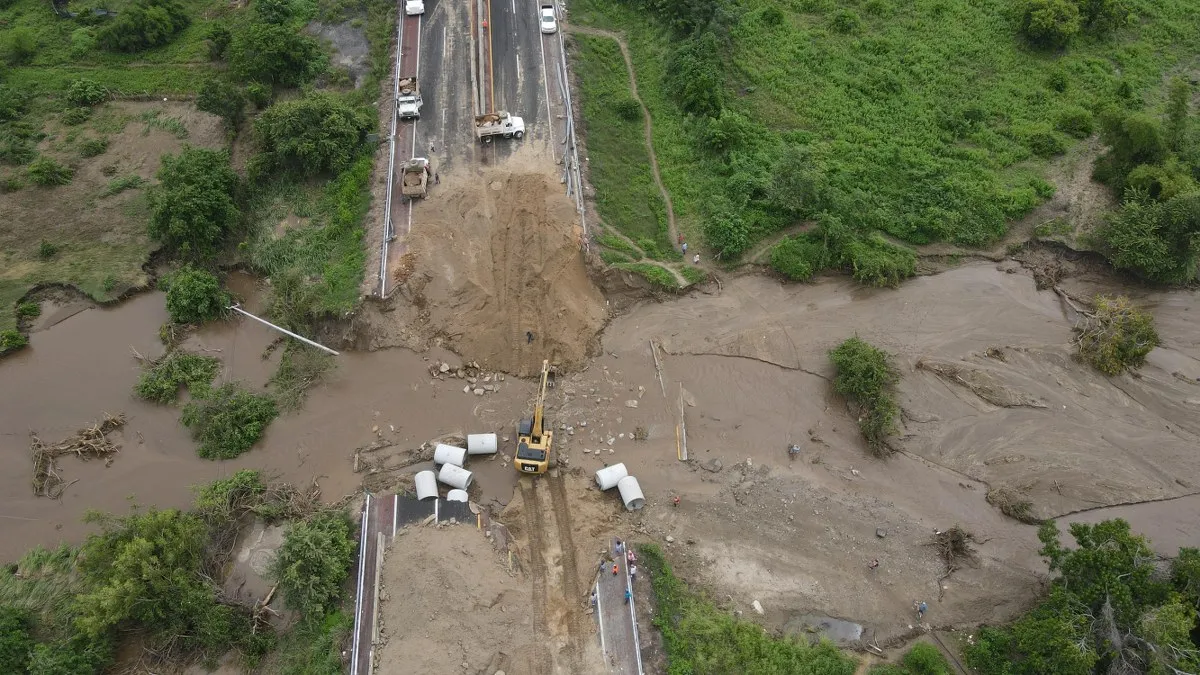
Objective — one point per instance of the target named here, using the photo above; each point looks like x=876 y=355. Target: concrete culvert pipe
x=481 y=444
x=449 y=454
x=608 y=477
x=455 y=476
x=457 y=496
x=631 y=493
x=426 y=485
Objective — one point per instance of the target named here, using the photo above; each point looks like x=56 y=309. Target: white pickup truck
x=408 y=102
x=414 y=7
x=498 y=124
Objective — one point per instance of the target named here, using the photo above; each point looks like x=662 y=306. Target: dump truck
x=533 y=438
x=408 y=100
x=414 y=181
x=498 y=124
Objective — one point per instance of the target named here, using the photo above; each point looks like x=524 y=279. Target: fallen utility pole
x=285 y=331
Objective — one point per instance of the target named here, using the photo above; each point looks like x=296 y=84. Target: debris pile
x=88 y=443
x=478 y=382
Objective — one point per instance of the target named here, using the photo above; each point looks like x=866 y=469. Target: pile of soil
x=449 y=606
x=498 y=262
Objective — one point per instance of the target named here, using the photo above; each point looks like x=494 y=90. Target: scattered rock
x=479 y=392
x=631 y=403
x=855 y=472
x=757 y=607
x=583 y=423
x=714 y=465
x=880 y=532
x=444 y=368
x=467 y=389
x=670 y=539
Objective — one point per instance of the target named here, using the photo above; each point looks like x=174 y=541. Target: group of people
x=630 y=558
x=683 y=247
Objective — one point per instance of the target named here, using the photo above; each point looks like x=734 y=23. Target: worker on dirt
x=615 y=568
x=873 y=565
x=684 y=247
x=437 y=179
x=696 y=259
x=631 y=558
x=593 y=598
x=528 y=337
x=675 y=500
x=620 y=547
x=921 y=608
x=632 y=573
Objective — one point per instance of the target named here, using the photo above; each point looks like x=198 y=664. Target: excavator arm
x=539 y=404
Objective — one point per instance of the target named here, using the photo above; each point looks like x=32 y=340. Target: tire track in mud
x=542 y=662
x=573 y=589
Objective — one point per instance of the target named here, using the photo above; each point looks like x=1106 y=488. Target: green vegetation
x=229 y=421
x=46 y=172
x=93 y=147
x=924 y=121
x=659 y=277
x=192 y=206
x=922 y=659
x=1108 y=610
x=1116 y=336
x=11 y=340
x=156 y=575
x=274 y=54
x=620 y=245
x=85 y=92
x=314 y=561
x=299 y=369
x=160 y=382
x=618 y=162
x=144 y=24
x=866 y=376
x=223 y=99
x=694 y=275
x=700 y=638
x=27 y=310
x=118 y=185
x=195 y=296
x=320 y=133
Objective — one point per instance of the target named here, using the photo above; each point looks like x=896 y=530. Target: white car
x=414 y=7
x=549 y=25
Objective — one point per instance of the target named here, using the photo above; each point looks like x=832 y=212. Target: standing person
x=680 y=237
x=921 y=608
x=632 y=573
x=696 y=259
x=631 y=557
x=675 y=500
x=528 y=337
x=593 y=598
x=616 y=567
x=437 y=179
x=684 y=248
x=620 y=547
x=628 y=595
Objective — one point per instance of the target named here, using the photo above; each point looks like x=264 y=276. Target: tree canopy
x=193 y=206
x=276 y=54
x=320 y=133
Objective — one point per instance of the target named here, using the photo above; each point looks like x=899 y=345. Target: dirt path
x=648 y=129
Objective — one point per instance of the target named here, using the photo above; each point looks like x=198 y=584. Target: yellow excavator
x=533 y=438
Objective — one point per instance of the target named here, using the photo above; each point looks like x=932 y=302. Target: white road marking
x=518 y=71
x=513 y=5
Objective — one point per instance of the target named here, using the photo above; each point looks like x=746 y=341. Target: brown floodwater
x=81 y=367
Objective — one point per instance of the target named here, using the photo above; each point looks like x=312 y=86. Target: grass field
x=620 y=166
x=930 y=120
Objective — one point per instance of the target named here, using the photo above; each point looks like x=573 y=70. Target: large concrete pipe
x=426 y=485
x=608 y=477
x=449 y=454
x=455 y=476
x=631 y=493
x=481 y=444
x=457 y=496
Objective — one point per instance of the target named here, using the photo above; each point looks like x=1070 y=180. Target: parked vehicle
x=549 y=23
x=498 y=124
x=414 y=7
x=414 y=179
x=408 y=102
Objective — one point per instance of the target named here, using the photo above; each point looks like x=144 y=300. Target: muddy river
x=751 y=357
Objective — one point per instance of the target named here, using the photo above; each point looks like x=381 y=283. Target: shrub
x=1116 y=337
x=1057 y=81
x=845 y=21
x=75 y=655
x=27 y=310
x=46 y=250
x=75 y=116
x=695 y=75
x=314 y=561
x=192 y=207
x=627 y=109
x=314 y=647
x=1103 y=16
x=195 y=296
x=93 y=147
x=118 y=185
x=273 y=11
x=84 y=92
x=1179 y=95
x=1156 y=241
x=1044 y=142
x=12 y=103
x=320 y=133
x=223 y=99
x=799 y=258
x=1075 y=121
x=274 y=54
x=229 y=422
x=145 y=24
x=12 y=340
x=47 y=172
x=1158 y=181
x=726 y=233
x=20 y=44
x=83 y=41
x=875 y=261
x=160 y=383
x=1050 y=23
x=1132 y=139
x=925 y=659
x=16 y=643
x=866 y=377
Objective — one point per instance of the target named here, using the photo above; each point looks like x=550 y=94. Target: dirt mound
x=449 y=606
x=497 y=261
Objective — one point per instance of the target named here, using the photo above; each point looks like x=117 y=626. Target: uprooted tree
x=1116 y=336
x=865 y=376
